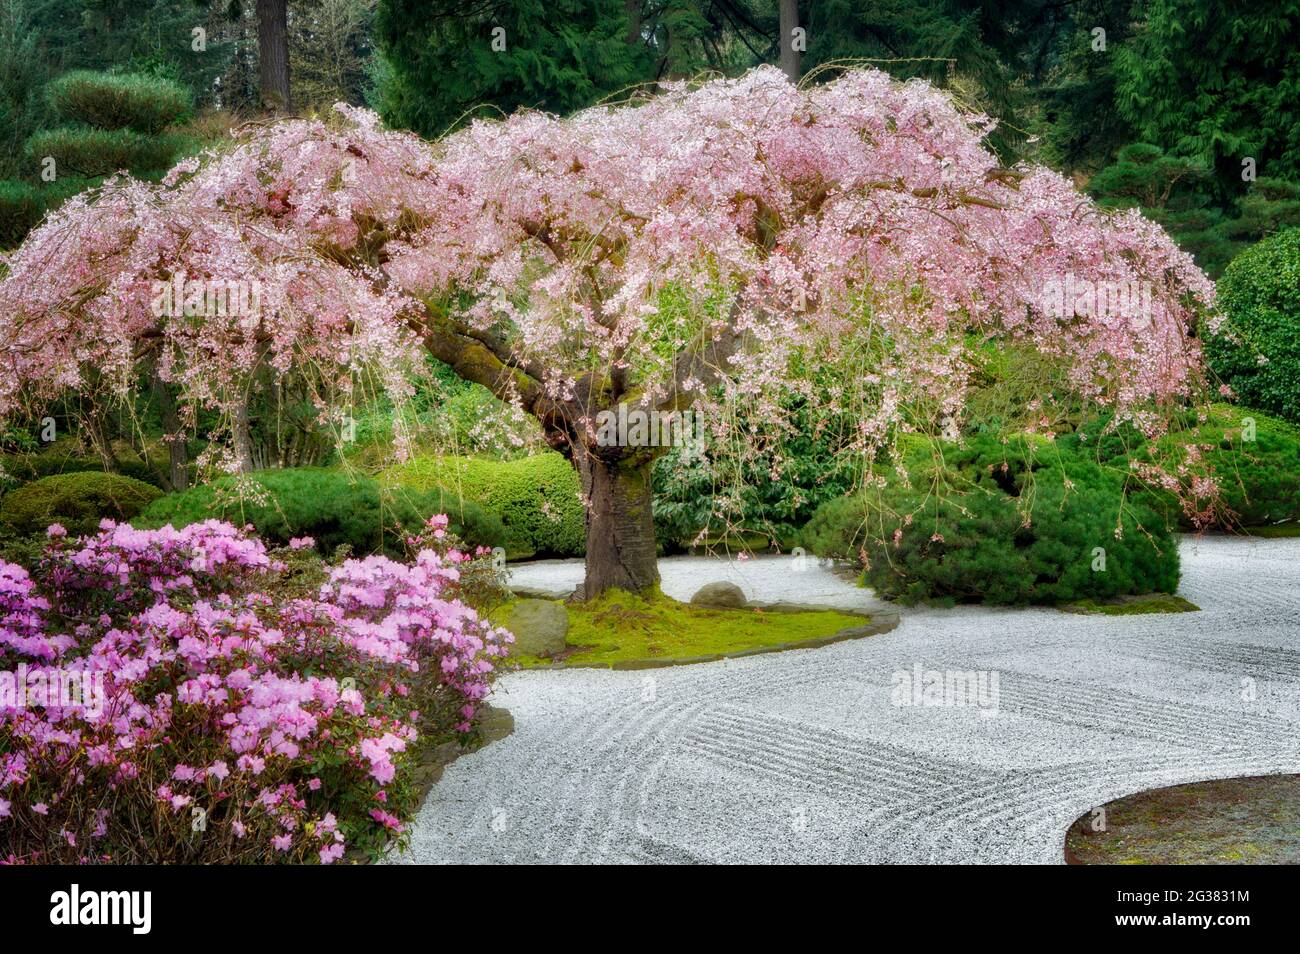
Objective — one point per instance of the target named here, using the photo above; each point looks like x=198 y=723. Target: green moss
x=1276 y=531
x=1253 y=820
x=621 y=627
x=1133 y=605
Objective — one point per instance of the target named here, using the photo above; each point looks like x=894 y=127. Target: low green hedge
x=78 y=501
x=23 y=204
x=21 y=208
x=1001 y=522
x=332 y=507
x=537 y=498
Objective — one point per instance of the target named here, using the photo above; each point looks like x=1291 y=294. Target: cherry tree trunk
x=620 y=527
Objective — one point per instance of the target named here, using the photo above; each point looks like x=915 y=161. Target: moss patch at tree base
x=1252 y=820
x=1133 y=605
x=624 y=630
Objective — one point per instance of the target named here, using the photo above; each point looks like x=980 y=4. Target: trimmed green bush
x=87 y=151
x=1003 y=523
x=332 y=507
x=78 y=501
x=837 y=528
x=1260 y=294
x=147 y=104
x=1259 y=479
x=1255 y=459
x=537 y=498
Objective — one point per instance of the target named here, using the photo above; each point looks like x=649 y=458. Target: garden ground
x=801 y=757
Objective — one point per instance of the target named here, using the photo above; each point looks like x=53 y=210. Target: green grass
x=621 y=627
x=1133 y=605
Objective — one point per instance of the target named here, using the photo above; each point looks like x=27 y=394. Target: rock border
x=880 y=623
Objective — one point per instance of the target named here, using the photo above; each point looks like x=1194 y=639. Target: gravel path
x=803 y=757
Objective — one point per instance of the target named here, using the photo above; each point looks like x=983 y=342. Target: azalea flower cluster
x=238 y=725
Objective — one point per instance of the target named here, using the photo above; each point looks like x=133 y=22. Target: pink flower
x=41 y=808
x=331 y=853
x=282 y=842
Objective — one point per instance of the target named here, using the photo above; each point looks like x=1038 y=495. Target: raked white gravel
x=803 y=757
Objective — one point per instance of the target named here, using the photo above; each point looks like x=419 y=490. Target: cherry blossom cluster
x=861 y=217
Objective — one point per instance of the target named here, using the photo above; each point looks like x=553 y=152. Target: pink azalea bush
x=237 y=724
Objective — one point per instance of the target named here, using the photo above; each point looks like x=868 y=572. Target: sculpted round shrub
x=537 y=498
x=1257 y=352
x=77 y=501
x=1002 y=522
x=174 y=706
x=120 y=100
x=88 y=151
x=334 y=508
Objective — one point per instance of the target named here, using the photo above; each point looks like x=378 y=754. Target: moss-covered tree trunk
x=620 y=526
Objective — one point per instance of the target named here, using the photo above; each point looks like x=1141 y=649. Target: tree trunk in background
x=789 y=55
x=620 y=527
x=178 y=456
x=241 y=436
x=633 y=8
x=273 y=54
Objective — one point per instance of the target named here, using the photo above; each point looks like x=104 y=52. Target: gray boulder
x=539 y=627
x=719 y=595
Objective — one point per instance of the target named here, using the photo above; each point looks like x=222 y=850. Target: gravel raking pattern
x=804 y=757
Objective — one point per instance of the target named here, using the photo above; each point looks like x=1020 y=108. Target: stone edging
x=880 y=622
